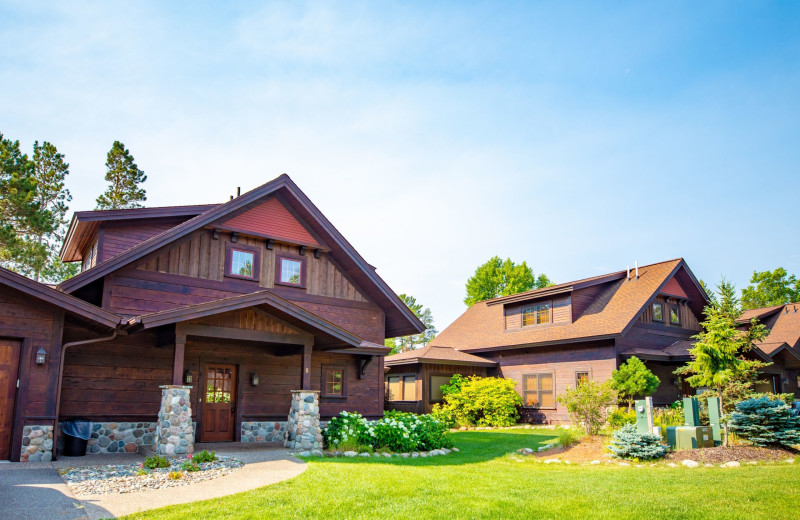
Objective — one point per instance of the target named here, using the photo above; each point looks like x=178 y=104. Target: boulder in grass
x=350 y=454
x=732 y=464
x=690 y=463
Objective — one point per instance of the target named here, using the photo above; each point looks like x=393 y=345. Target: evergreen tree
x=718 y=356
x=633 y=378
x=125 y=179
x=406 y=343
x=33 y=205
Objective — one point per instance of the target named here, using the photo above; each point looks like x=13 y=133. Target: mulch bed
x=588 y=449
x=720 y=454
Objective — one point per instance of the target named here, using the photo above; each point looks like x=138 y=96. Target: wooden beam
x=306 y=381
x=365 y=361
x=177 y=362
x=210 y=331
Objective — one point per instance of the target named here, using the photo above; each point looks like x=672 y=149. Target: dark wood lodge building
x=552 y=338
x=246 y=302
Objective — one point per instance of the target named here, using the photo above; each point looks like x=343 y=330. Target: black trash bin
x=77 y=433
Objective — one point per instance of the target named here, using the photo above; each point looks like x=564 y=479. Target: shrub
x=444 y=415
x=348 y=428
x=619 y=417
x=765 y=422
x=568 y=437
x=633 y=378
x=204 y=456
x=668 y=416
x=175 y=475
x=628 y=443
x=190 y=465
x=481 y=401
x=586 y=404
x=397 y=431
x=155 y=461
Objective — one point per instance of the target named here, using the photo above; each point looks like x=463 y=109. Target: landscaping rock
x=454 y=449
x=525 y=451
x=732 y=464
x=423 y=454
x=752 y=463
x=414 y=455
x=672 y=465
x=305 y=454
x=789 y=461
x=389 y=455
x=690 y=463
x=365 y=454
x=708 y=465
x=552 y=461
x=623 y=464
x=405 y=455
x=595 y=462
x=350 y=454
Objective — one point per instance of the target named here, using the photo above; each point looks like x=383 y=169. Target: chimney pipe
x=628 y=276
x=636 y=264
x=238 y=191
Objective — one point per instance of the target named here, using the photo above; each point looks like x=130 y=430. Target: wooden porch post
x=177 y=362
x=306 y=380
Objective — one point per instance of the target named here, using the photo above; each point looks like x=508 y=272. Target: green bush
x=397 y=431
x=586 y=404
x=619 y=417
x=628 y=443
x=765 y=422
x=668 y=417
x=444 y=415
x=155 y=461
x=204 y=456
x=190 y=465
x=480 y=401
x=568 y=437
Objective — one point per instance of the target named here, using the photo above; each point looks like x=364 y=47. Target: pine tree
x=406 y=343
x=718 y=356
x=633 y=378
x=33 y=205
x=125 y=179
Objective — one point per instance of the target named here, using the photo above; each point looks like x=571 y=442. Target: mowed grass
x=485 y=481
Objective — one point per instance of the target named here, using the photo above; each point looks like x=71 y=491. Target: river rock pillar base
x=303 y=429
x=174 y=433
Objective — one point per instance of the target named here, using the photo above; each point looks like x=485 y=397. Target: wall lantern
x=41 y=356
x=188 y=378
x=254 y=379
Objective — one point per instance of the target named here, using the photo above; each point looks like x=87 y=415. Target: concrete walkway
x=34 y=491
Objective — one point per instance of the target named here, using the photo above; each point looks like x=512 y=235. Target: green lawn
x=483 y=481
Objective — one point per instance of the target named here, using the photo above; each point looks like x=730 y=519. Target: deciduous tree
x=501 y=278
x=125 y=180
x=768 y=288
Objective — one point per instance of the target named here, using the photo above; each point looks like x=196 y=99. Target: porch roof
x=326 y=334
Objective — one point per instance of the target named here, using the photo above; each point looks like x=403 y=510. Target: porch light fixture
x=254 y=379
x=41 y=356
x=188 y=378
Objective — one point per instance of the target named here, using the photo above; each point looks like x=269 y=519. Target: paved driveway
x=37 y=494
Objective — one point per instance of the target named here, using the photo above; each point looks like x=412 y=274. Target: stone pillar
x=303 y=429
x=175 y=434
x=37 y=444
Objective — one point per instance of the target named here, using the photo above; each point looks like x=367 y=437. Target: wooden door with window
x=9 y=361
x=219 y=406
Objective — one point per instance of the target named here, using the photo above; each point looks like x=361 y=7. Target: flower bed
x=129 y=478
x=397 y=432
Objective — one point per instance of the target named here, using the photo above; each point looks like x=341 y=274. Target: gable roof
x=400 y=320
x=85 y=223
x=281 y=308
x=440 y=355
x=613 y=311
x=72 y=305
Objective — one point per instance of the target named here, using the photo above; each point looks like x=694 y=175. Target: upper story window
x=242 y=262
x=658 y=312
x=290 y=270
x=674 y=316
x=538 y=314
x=90 y=258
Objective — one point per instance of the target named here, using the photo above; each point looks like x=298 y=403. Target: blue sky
x=577 y=137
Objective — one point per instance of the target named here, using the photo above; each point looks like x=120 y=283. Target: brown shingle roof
x=433 y=354
x=674 y=351
x=482 y=326
x=785 y=326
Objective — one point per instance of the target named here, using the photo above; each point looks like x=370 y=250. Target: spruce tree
x=125 y=179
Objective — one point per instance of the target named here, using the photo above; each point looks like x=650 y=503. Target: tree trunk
x=722 y=418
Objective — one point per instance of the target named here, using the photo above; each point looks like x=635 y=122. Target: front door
x=219 y=419
x=9 y=361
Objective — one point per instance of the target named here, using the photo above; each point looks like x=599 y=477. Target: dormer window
x=242 y=262
x=658 y=312
x=674 y=315
x=538 y=314
x=290 y=270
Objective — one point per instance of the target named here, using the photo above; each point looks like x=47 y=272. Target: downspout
x=64 y=348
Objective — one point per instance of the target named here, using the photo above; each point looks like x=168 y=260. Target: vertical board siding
x=248 y=319
x=688 y=320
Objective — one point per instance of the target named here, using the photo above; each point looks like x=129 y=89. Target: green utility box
x=644 y=415
x=691 y=412
x=690 y=437
x=714 y=415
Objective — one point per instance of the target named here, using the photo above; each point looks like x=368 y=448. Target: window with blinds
x=539 y=390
